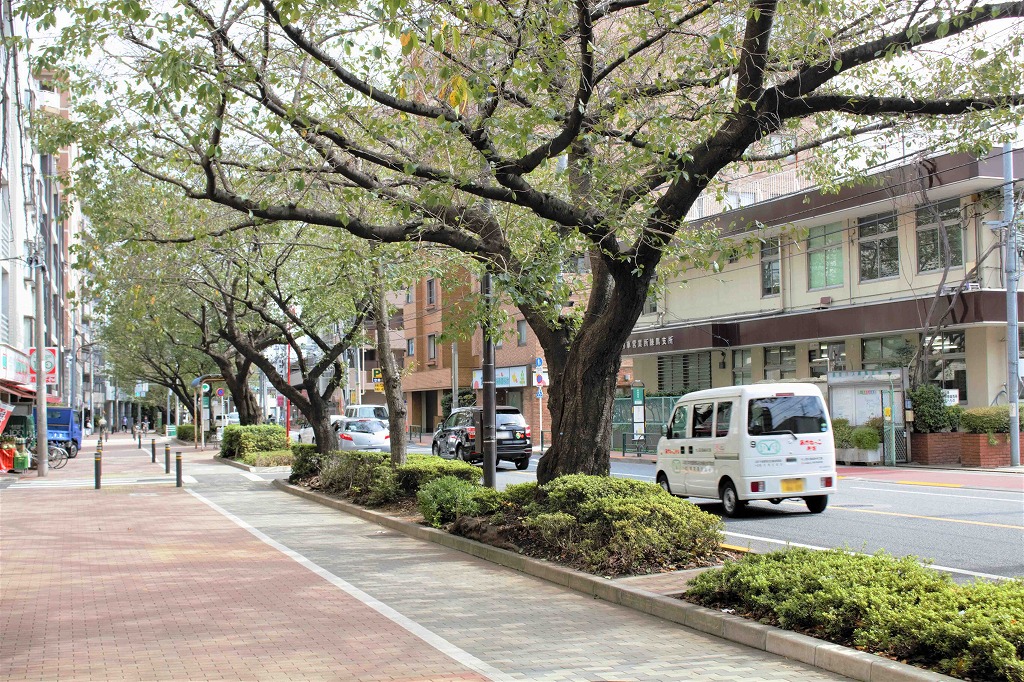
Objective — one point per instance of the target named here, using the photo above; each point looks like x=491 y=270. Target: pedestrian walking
x=103 y=425
x=124 y=424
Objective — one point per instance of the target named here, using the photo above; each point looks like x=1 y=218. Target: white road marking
x=89 y=482
x=251 y=476
x=788 y=543
x=918 y=492
x=444 y=646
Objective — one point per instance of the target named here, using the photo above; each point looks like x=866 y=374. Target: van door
x=789 y=437
x=673 y=455
x=700 y=465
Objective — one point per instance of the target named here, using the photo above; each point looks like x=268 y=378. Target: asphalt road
x=968 y=531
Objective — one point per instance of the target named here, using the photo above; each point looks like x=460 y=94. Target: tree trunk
x=249 y=411
x=323 y=431
x=392 y=377
x=583 y=389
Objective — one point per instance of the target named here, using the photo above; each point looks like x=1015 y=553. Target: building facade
x=856 y=281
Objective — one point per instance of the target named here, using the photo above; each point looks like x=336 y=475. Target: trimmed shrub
x=274 y=458
x=865 y=438
x=420 y=469
x=186 y=432
x=355 y=474
x=842 y=432
x=893 y=606
x=616 y=526
x=994 y=419
x=306 y=462
x=229 y=441
x=445 y=499
x=930 y=415
x=261 y=438
x=955 y=414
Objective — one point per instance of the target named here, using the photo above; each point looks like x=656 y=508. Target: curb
x=834 y=658
x=248 y=467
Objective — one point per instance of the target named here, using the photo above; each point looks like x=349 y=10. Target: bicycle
x=57 y=456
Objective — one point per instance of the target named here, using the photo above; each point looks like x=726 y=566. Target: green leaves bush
x=842 y=432
x=420 y=469
x=879 y=603
x=274 y=458
x=229 y=440
x=930 y=414
x=186 y=432
x=239 y=441
x=994 y=419
x=865 y=438
x=444 y=499
x=306 y=462
x=615 y=526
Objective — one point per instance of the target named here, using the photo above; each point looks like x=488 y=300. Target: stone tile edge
x=233 y=463
x=857 y=665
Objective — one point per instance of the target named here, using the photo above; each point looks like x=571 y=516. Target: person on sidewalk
x=124 y=424
x=103 y=425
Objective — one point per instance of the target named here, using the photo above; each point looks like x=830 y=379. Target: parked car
x=460 y=436
x=364 y=434
x=305 y=435
x=367 y=412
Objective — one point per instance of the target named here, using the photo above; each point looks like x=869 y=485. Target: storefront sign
x=14 y=365
x=504 y=377
x=5 y=414
x=49 y=365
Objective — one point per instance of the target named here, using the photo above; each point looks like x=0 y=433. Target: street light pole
x=42 y=444
x=1012 y=333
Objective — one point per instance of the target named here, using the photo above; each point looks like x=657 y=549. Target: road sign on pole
x=49 y=364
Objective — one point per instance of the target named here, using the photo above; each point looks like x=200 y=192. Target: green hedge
x=186 y=432
x=865 y=438
x=239 y=441
x=994 y=419
x=305 y=463
x=274 y=458
x=930 y=413
x=878 y=603
x=444 y=499
x=842 y=432
x=421 y=469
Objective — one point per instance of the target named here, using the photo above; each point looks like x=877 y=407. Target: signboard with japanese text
x=49 y=365
x=14 y=365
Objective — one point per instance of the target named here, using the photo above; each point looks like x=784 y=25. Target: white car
x=306 y=435
x=365 y=434
x=367 y=412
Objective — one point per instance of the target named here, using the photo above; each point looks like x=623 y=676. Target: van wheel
x=816 y=503
x=663 y=482
x=72 y=451
x=523 y=463
x=731 y=502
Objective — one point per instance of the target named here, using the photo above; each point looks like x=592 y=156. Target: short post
x=167 y=459
x=140 y=440
x=152 y=446
x=167 y=451
x=98 y=467
x=177 y=468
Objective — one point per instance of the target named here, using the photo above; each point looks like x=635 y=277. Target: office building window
x=947 y=362
x=825 y=256
x=410 y=347
x=932 y=221
x=879 y=246
x=431 y=346
x=431 y=293
x=827 y=357
x=779 y=362
x=770 y=266
x=408 y=295
x=521 y=333
x=651 y=304
x=685 y=372
x=741 y=373
x=882 y=352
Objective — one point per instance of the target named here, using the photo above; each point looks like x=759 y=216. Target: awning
x=24 y=391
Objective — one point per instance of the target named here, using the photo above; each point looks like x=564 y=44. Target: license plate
x=502 y=435
x=792 y=485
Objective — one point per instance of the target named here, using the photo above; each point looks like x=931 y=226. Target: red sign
x=49 y=365
x=5 y=415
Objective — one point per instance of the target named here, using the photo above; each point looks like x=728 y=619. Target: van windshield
x=786 y=414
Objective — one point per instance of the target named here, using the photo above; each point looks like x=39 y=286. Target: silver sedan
x=364 y=434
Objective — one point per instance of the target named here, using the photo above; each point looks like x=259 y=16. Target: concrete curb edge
x=857 y=665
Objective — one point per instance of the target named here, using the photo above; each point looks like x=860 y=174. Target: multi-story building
x=841 y=287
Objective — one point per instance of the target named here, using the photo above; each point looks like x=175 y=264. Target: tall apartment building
x=841 y=287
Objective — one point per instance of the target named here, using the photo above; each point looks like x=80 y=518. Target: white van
x=757 y=442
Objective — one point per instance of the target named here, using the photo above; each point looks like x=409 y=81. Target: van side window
x=722 y=421
x=677 y=428
x=703 y=414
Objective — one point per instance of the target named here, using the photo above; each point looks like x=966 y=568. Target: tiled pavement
x=230 y=579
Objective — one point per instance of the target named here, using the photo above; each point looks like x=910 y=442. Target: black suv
x=461 y=436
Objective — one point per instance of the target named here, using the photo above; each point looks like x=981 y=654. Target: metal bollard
x=152 y=446
x=167 y=460
x=177 y=469
x=167 y=451
x=140 y=440
x=98 y=467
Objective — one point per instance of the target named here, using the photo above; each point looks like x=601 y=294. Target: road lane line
x=931 y=483
x=917 y=516
x=444 y=646
x=787 y=543
x=251 y=476
x=918 y=492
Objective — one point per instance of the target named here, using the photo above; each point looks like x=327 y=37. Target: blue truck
x=63 y=429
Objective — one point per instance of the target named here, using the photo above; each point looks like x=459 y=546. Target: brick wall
x=977 y=452
x=935 y=448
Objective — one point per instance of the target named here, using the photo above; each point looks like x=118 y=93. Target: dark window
x=722 y=420
x=678 y=427
x=431 y=293
x=509 y=419
x=431 y=347
x=932 y=221
x=521 y=332
x=703 y=416
x=770 y=266
x=879 y=247
x=786 y=414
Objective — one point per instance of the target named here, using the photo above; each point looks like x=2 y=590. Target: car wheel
x=663 y=482
x=731 y=502
x=434 y=450
x=460 y=454
x=816 y=503
x=72 y=451
x=523 y=463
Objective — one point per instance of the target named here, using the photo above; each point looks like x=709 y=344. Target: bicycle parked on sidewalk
x=56 y=456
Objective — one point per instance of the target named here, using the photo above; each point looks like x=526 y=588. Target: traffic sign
x=378 y=377
x=540 y=362
x=206 y=388
x=49 y=365
x=378 y=387
x=540 y=393
x=220 y=392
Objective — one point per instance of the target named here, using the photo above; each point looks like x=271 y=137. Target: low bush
x=229 y=441
x=614 y=526
x=878 y=603
x=186 y=432
x=865 y=438
x=260 y=438
x=274 y=458
x=995 y=419
x=444 y=499
x=842 y=432
x=930 y=414
x=306 y=462
x=955 y=414
x=352 y=473
x=421 y=469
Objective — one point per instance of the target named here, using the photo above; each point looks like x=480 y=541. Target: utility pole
x=455 y=373
x=1012 y=334
x=42 y=444
x=489 y=415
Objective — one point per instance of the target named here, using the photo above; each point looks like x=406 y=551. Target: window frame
x=710 y=422
x=431 y=346
x=521 y=332
x=942 y=207
x=874 y=241
x=836 y=230
x=410 y=348
x=743 y=369
x=431 y=292
x=771 y=256
x=785 y=368
x=673 y=422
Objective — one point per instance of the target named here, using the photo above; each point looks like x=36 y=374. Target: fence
x=657 y=411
